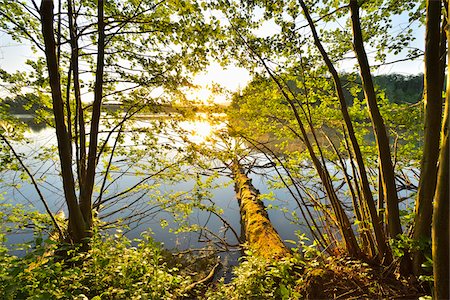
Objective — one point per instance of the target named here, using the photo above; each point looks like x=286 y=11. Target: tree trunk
x=76 y=221
x=441 y=225
x=380 y=198
x=80 y=133
x=342 y=219
x=257 y=229
x=433 y=112
x=382 y=139
x=86 y=194
x=365 y=186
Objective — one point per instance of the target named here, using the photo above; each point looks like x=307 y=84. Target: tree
x=366 y=192
x=78 y=226
x=384 y=152
x=132 y=55
x=433 y=114
x=440 y=229
x=440 y=221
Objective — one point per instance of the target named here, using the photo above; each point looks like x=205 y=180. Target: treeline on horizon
x=399 y=88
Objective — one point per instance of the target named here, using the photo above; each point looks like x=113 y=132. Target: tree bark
x=440 y=220
x=381 y=136
x=433 y=112
x=80 y=133
x=86 y=194
x=76 y=221
x=440 y=244
x=257 y=229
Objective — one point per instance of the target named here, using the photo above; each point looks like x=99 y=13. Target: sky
x=14 y=54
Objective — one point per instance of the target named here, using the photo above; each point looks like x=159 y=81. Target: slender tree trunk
x=343 y=221
x=86 y=195
x=441 y=225
x=76 y=221
x=58 y=36
x=341 y=216
x=68 y=108
x=365 y=186
x=362 y=225
x=443 y=52
x=365 y=216
x=381 y=211
x=433 y=112
x=440 y=220
x=80 y=133
x=382 y=139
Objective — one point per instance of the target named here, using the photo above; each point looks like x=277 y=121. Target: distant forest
x=398 y=88
x=23 y=104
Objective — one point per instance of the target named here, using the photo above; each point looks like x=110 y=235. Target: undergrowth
x=118 y=268
x=318 y=278
x=111 y=269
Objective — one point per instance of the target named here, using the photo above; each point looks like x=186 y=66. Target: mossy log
x=257 y=230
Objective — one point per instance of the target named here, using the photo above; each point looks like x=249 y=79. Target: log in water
x=257 y=230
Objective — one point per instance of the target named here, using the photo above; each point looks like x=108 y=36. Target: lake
x=144 y=203
x=165 y=200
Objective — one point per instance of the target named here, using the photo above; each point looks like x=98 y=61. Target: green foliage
x=111 y=269
x=15 y=219
x=27 y=104
x=260 y=112
x=397 y=87
x=401 y=88
x=308 y=277
x=258 y=278
x=18 y=218
x=405 y=244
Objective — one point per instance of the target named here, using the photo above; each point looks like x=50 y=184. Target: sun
x=203 y=95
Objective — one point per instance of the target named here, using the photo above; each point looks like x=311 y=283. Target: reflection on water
x=198 y=131
x=35 y=125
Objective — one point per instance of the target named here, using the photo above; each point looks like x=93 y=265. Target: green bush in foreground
x=112 y=269
x=320 y=277
x=259 y=278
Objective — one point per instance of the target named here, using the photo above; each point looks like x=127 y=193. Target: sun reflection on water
x=198 y=131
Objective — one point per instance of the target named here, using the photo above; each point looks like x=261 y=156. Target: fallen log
x=256 y=229
x=190 y=290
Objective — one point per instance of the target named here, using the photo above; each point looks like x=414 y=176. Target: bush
x=111 y=269
x=259 y=278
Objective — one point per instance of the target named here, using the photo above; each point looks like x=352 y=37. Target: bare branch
x=35 y=184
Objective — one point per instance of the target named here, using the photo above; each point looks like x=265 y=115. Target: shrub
x=111 y=269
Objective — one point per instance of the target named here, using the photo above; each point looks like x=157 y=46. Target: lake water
x=173 y=186
x=144 y=202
